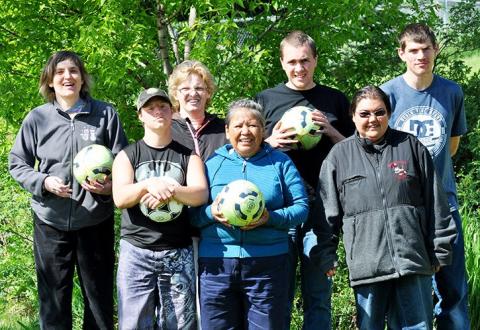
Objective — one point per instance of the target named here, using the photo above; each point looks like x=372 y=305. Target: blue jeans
x=316 y=287
x=242 y=293
x=451 y=289
x=406 y=302
x=156 y=289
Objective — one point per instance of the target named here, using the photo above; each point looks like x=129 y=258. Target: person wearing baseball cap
x=156 y=255
x=147 y=94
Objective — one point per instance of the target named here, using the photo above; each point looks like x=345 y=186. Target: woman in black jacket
x=380 y=188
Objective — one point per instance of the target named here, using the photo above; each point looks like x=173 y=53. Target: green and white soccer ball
x=164 y=212
x=300 y=119
x=241 y=203
x=93 y=162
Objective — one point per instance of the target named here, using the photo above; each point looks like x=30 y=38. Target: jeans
x=451 y=289
x=156 y=289
x=316 y=287
x=57 y=253
x=243 y=293
x=406 y=301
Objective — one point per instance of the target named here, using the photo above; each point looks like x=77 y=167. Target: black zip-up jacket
x=390 y=205
x=204 y=140
x=46 y=144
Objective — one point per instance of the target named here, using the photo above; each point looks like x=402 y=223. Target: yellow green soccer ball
x=300 y=119
x=241 y=203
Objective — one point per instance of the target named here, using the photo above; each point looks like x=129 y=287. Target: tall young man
x=431 y=108
x=298 y=57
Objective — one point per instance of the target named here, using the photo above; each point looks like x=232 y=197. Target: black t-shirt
x=276 y=101
x=208 y=138
x=141 y=231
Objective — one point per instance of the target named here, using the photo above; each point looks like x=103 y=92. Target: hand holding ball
x=299 y=118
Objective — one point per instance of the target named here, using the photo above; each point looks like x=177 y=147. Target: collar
x=371 y=147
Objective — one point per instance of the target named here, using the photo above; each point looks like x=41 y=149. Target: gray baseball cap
x=147 y=94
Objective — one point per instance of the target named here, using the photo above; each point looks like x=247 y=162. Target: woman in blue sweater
x=242 y=274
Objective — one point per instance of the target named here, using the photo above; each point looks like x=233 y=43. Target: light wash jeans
x=406 y=302
x=156 y=289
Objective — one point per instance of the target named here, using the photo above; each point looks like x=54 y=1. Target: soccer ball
x=300 y=119
x=164 y=212
x=93 y=162
x=241 y=203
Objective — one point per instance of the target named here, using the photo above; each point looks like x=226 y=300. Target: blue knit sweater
x=285 y=198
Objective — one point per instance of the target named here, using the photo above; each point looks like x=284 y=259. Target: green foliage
x=238 y=40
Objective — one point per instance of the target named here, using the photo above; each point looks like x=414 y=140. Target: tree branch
x=162 y=32
x=192 y=17
x=174 y=39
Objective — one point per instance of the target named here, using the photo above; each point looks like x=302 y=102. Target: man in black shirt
x=298 y=56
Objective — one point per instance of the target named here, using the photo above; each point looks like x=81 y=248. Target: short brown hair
x=418 y=32
x=48 y=72
x=181 y=73
x=297 y=39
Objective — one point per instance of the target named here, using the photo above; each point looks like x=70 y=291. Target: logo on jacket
x=88 y=133
x=427 y=124
x=399 y=168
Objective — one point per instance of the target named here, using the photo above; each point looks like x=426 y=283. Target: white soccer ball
x=93 y=162
x=300 y=119
x=241 y=203
x=164 y=212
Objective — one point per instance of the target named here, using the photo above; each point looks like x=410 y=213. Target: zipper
x=384 y=204
x=242 y=232
x=354 y=236
x=72 y=131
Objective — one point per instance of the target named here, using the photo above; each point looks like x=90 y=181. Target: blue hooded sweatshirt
x=285 y=199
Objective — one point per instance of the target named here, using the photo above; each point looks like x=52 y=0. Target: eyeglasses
x=368 y=114
x=186 y=91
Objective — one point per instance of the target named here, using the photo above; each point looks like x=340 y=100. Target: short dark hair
x=370 y=92
x=418 y=32
x=48 y=73
x=296 y=39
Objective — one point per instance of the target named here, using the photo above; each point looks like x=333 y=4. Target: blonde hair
x=182 y=72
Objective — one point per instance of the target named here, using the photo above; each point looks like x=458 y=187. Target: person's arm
x=295 y=210
x=326 y=127
x=441 y=226
x=116 y=141
x=454 y=143
x=22 y=157
x=195 y=193
x=125 y=192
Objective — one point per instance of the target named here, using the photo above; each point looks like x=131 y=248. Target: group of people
x=381 y=175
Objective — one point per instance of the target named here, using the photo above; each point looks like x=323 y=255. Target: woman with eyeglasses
x=191 y=87
x=380 y=189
